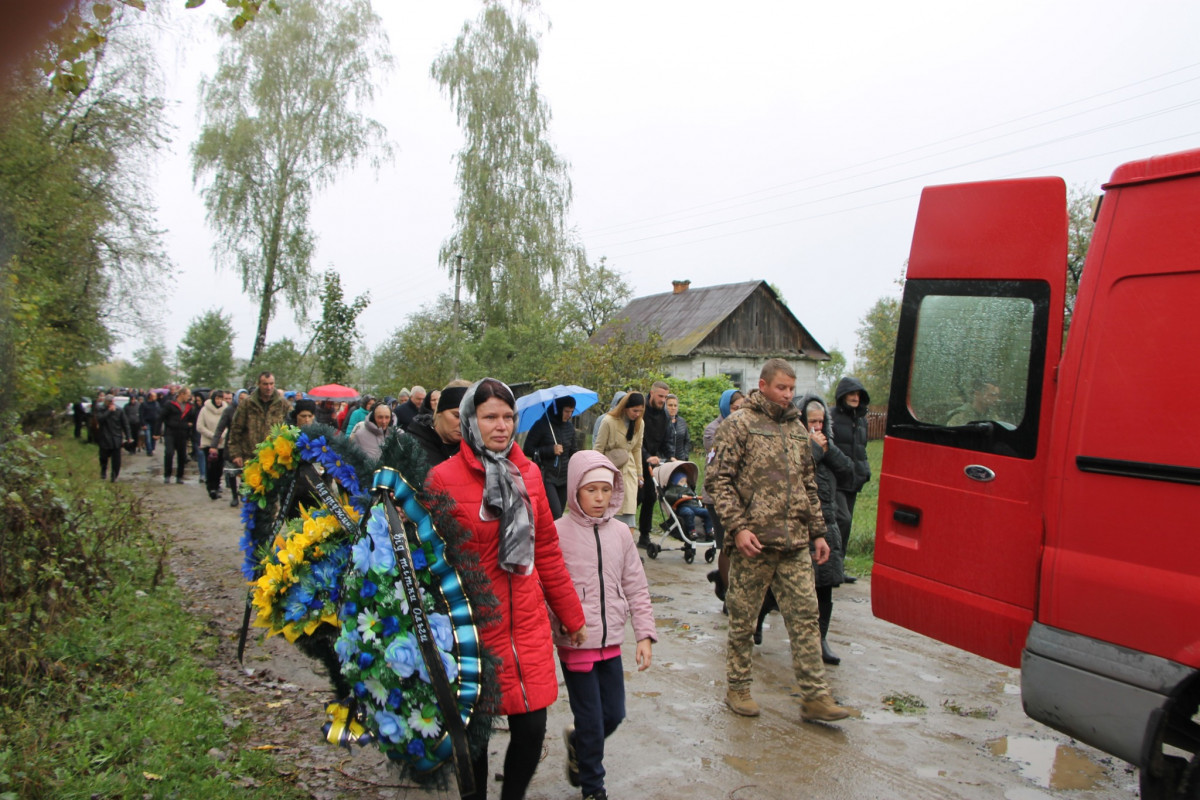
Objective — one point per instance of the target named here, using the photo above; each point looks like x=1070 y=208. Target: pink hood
x=583 y=462
x=603 y=561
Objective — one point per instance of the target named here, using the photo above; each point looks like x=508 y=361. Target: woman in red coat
x=499 y=497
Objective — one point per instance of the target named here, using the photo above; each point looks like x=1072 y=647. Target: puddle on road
x=1047 y=763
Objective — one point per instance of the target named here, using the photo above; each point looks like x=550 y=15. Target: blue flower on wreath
x=311 y=449
x=391 y=626
x=443 y=631
x=391 y=727
x=418 y=559
x=395 y=698
x=403 y=657
x=374 y=551
x=416 y=748
x=449 y=665
x=348 y=644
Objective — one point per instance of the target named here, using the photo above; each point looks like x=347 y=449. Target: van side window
x=969 y=359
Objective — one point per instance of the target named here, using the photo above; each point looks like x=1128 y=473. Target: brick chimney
x=679 y=287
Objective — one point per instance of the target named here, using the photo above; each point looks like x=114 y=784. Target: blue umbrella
x=532 y=407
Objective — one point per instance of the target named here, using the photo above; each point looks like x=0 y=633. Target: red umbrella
x=332 y=391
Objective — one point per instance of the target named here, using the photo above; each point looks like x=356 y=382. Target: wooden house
x=730 y=329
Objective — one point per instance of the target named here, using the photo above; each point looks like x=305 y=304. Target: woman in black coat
x=847 y=426
x=177 y=420
x=834 y=468
x=550 y=444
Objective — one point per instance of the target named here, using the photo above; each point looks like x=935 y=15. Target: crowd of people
x=556 y=527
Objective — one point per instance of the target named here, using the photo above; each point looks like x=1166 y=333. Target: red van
x=1039 y=505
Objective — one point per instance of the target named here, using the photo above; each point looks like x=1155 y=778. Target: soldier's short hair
x=775 y=366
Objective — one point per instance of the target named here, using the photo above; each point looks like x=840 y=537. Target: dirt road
x=970 y=740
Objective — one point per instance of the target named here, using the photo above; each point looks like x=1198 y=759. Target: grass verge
x=115 y=701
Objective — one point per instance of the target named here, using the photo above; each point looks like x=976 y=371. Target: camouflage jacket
x=765 y=479
x=252 y=421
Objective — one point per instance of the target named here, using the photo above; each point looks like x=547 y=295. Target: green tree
x=292 y=368
x=830 y=372
x=77 y=241
x=590 y=295
x=149 y=369
x=279 y=124
x=514 y=190
x=876 y=350
x=1080 y=224
x=423 y=349
x=336 y=333
x=205 y=356
x=621 y=362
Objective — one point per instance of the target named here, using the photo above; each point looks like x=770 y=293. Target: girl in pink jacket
x=603 y=561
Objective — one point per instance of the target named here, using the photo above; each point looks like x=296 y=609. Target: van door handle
x=907 y=517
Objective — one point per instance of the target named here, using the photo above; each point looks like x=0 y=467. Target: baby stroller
x=672 y=526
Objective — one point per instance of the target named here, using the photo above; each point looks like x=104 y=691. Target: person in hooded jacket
x=375 y=428
x=499 y=499
x=731 y=400
x=611 y=584
x=847 y=427
x=833 y=469
x=550 y=444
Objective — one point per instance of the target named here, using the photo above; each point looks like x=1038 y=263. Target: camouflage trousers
x=790 y=577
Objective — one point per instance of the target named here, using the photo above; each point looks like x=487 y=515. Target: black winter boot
x=714 y=577
x=824 y=613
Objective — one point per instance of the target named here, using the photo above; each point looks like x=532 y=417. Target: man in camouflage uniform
x=765 y=492
x=253 y=419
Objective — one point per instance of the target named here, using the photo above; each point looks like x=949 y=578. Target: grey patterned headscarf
x=504 y=494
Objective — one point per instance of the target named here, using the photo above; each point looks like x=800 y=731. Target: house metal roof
x=684 y=319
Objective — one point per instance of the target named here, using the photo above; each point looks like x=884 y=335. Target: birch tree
x=280 y=121
x=514 y=188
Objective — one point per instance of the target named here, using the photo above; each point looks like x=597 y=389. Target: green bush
x=102 y=689
x=699 y=404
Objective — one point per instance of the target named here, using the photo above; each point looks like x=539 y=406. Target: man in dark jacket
x=112 y=431
x=409 y=409
x=80 y=415
x=256 y=414
x=655 y=449
x=848 y=429
x=150 y=412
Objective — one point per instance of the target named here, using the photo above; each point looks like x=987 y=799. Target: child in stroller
x=684 y=501
x=675 y=487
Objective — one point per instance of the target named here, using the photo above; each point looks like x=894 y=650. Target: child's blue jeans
x=598 y=703
x=688 y=516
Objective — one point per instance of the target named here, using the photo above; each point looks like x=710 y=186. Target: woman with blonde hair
x=620 y=439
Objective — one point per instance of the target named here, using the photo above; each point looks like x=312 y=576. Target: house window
x=735 y=377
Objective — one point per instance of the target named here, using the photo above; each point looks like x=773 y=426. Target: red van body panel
x=1122 y=559
x=966 y=571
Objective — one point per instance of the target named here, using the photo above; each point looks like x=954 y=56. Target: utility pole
x=457 y=288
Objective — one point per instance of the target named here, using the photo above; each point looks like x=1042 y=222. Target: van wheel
x=1169 y=785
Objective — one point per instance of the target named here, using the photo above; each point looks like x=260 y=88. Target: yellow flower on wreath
x=284 y=449
x=253 y=476
x=266 y=460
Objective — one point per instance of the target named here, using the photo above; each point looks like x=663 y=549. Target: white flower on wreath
x=426 y=726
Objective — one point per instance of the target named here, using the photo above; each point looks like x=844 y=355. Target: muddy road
x=964 y=735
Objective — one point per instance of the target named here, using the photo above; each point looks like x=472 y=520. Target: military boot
x=740 y=702
x=822 y=709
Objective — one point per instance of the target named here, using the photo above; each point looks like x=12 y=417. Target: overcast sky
x=721 y=142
